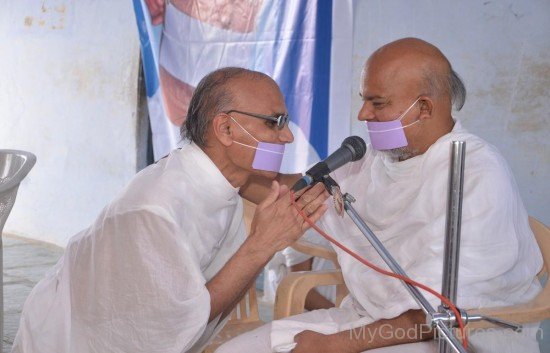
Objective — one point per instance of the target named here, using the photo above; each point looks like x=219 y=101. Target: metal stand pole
x=451 y=255
x=442 y=328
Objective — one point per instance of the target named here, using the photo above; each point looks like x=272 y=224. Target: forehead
x=374 y=79
x=387 y=79
x=257 y=95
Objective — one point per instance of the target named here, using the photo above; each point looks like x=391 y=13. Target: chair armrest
x=536 y=310
x=293 y=289
x=316 y=250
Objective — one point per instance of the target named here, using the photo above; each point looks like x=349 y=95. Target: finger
x=271 y=197
x=300 y=192
x=313 y=205
x=311 y=194
x=315 y=216
x=283 y=190
x=316 y=186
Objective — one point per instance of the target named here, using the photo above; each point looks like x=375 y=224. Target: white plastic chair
x=292 y=292
x=14 y=167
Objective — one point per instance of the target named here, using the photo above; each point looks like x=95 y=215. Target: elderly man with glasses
x=167 y=260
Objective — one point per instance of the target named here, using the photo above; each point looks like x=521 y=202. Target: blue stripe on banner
x=320 y=63
x=292 y=63
x=321 y=78
x=149 y=68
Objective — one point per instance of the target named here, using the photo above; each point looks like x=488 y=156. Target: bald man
x=408 y=90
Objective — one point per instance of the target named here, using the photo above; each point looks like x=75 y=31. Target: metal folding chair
x=14 y=167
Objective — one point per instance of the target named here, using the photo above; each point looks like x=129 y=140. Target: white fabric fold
x=280 y=344
x=135 y=280
x=404 y=203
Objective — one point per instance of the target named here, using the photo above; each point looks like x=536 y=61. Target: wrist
x=255 y=252
x=344 y=342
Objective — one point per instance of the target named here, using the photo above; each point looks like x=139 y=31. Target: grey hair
x=210 y=98
x=458 y=90
x=449 y=84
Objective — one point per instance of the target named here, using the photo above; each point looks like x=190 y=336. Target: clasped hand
x=277 y=223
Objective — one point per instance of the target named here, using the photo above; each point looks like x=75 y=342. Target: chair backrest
x=247 y=309
x=316 y=250
x=14 y=166
x=542 y=234
x=537 y=309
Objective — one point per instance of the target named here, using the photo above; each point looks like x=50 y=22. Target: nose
x=366 y=112
x=285 y=135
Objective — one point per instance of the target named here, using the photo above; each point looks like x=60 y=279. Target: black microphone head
x=356 y=145
x=353 y=148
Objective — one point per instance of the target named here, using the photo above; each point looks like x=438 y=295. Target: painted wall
x=69 y=93
x=502 y=52
x=68 y=74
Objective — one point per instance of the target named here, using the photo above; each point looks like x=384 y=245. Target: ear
x=426 y=107
x=222 y=129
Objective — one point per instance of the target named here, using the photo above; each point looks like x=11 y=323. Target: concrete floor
x=26 y=262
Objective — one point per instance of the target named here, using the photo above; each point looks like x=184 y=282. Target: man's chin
x=400 y=154
x=267 y=174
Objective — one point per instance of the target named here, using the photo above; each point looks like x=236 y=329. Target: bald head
x=411 y=80
x=416 y=65
x=413 y=47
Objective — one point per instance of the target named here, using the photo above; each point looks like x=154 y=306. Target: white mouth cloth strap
x=257 y=148
x=400 y=118
x=236 y=122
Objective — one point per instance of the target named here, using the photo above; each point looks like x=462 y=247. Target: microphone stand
x=427 y=308
x=444 y=319
x=451 y=252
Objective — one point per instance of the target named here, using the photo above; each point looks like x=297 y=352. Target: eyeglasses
x=280 y=119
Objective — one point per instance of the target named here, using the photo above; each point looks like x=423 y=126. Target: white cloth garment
x=404 y=203
x=135 y=280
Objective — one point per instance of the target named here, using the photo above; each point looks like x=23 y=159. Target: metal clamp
x=499 y=322
x=448 y=317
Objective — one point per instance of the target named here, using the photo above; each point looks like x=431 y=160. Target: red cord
x=387 y=273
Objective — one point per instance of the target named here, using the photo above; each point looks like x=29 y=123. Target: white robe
x=135 y=280
x=404 y=203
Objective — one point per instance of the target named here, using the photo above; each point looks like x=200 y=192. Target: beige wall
x=69 y=87
x=502 y=52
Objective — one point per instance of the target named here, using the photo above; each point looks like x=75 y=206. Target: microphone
x=353 y=148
